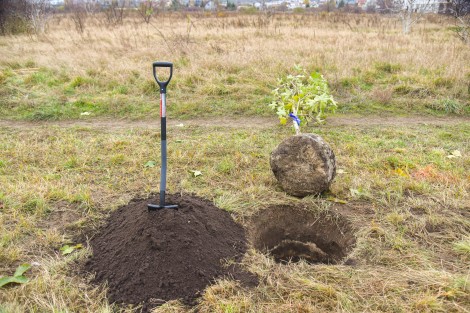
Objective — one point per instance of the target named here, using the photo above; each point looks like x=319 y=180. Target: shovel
x=162 y=85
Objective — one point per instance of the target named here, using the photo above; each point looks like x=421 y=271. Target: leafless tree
x=115 y=12
x=24 y=15
x=91 y=6
x=146 y=10
x=460 y=10
x=328 y=6
x=409 y=11
x=459 y=7
x=79 y=16
x=38 y=14
x=13 y=16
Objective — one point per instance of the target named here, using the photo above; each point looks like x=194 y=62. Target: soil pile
x=149 y=257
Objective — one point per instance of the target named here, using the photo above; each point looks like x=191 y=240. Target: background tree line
x=20 y=16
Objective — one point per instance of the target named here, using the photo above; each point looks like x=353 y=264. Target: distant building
x=210 y=6
x=426 y=6
x=370 y=4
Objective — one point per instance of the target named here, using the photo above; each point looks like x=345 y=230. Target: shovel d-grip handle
x=160 y=83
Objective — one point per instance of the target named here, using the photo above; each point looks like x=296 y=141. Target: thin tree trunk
x=407 y=20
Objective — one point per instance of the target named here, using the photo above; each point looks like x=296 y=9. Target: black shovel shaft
x=163 y=204
x=163 y=161
x=162 y=85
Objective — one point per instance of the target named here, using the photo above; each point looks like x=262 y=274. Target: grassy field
x=406 y=186
x=229 y=64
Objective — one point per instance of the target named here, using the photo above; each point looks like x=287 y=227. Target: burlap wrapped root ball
x=304 y=165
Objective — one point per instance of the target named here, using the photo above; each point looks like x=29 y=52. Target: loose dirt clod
x=149 y=257
x=290 y=234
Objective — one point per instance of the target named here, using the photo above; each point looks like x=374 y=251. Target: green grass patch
x=449 y=106
x=42 y=93
x=387 y=68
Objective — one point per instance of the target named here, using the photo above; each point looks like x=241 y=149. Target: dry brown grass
x=238 y=58
x=412 y=247
x=243 y=42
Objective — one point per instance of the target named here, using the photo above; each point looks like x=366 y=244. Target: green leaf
x=315 y=76
x=357 y=192
x=21 y=269
x=13 y=279
x=455 y=154
x=281 y=112
x=150 y=164
x=196 y=173
x=18 y=277
x=67 y=249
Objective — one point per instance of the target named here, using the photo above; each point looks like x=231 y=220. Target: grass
x=228 y=64
x=59 y=180
x=412 y=251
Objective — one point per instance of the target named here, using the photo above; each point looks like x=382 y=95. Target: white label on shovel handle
x=163 y=105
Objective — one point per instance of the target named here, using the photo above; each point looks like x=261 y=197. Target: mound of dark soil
x=149 y=257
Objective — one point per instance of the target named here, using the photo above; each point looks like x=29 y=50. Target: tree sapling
x=303 y=164
x=302 y=97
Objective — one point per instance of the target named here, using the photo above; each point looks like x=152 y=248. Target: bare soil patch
x=150 y=257
x=291 y=234
x=236 y=122
x=62 y=217
x=396 y=120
